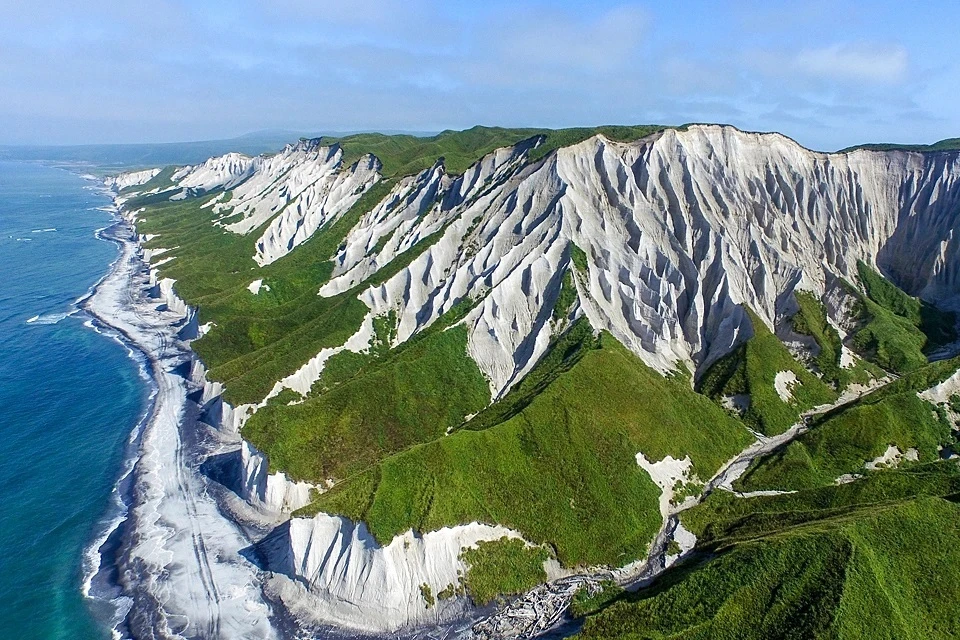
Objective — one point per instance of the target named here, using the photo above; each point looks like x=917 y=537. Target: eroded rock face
x=350 y=580
x=220 y=172
x=297 y=190
x=130 y=179
x=679 y=230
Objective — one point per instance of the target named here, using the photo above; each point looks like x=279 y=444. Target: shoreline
x=179 y=567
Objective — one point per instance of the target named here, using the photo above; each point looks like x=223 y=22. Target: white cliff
x=220 y=172
x=351 y=581
x=681 y=231
x=297 y=191
x=130 y=179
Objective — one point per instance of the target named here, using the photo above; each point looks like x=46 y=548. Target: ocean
x=69 y=399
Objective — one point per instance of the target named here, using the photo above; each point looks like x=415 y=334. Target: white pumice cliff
x=682 y=232
x=131 y=179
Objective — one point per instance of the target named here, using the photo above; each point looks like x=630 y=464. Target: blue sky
x=828 y=74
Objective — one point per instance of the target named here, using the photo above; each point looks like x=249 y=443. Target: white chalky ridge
x=681 y=231
x=131 y=179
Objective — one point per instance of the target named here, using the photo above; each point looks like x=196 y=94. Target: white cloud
x=879 y=64
x=559 y=40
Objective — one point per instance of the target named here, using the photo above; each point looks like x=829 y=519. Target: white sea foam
x=50 y=318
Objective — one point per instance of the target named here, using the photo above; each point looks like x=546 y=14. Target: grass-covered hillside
x=897 y=330
x=871 y=568
x=811 y=320
x=561 y=468
x=948 y=144
x=751 y=371
x=843 y=442
x=404 y=155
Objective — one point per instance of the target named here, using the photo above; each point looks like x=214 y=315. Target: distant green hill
x=949 y=144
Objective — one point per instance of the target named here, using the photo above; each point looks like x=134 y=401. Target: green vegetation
x=811 y=320
x=579 y=258
x=752 y=368
x=558 y=138
x=871 y=559
x=843 y=441
x=503 y=567
x=256 y=339
x=404 y=155
x=410 y=396
x=560 y=468
x=949 y=144
x=882 y=572
x=427 y=594
x=566 y=298
x=723 y=516
x=896 y=329
x=452 y=590
x=583 y=604
x=565 y=352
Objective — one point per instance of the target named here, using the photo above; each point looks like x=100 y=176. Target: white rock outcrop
x=356 y=583
x=275 y=492
x=783 y=383
x=220 y=172
x=666 y=474
x=891 y=458
x=130 y=179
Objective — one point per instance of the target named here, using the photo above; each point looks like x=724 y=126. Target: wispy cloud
x=599 y=43
x=885 y=64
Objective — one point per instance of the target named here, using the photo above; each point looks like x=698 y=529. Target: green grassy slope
x=811 y=320
x=752 y=368
x=876 y=559
x=896 y=329
x=257 y=339
x=561 y=468
x=502 y=567
x=413 y=396
x=403 y=155
x=841 y=442
x=948 y=144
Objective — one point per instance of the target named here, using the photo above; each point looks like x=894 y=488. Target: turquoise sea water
x=69 y=398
